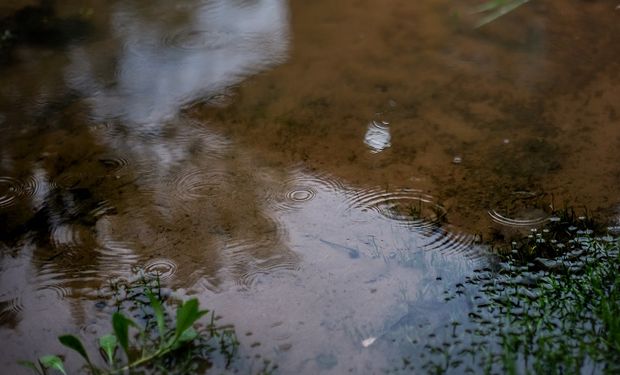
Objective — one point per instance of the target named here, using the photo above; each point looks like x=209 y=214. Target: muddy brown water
x=313 y=171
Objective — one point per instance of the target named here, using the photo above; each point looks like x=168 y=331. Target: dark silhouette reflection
x=39 y=25
x=101 y=173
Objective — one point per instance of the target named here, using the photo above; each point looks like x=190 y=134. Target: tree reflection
x=121 y=177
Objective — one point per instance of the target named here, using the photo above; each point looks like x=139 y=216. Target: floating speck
x=369 y=341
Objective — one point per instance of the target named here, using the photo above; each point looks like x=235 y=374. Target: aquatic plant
x=561 y=315
x=153 y=341
x=549 y=304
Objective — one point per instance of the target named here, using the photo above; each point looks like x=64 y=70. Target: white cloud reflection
x=169 y=56
x=378 y=136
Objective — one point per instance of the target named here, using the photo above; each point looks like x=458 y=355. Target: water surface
x=316 y=172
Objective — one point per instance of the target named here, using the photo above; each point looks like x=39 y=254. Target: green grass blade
x=53 y=362
x=159 y=316
x=108 y=344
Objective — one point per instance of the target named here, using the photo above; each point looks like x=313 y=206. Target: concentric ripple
x=248 y=260
x=68 y=180
x=140 y=45
x=163 y=267
x=516 y=222
x=63 y=278
x=12 y=189
x=116 y=257
x=301 y=187
x=113 y=164
x=187 y=40
x=198 y=137
x=10 y=310
x=220 y=100
x=66 y=236
x=195 y=183
x=58 y=290
x=448 y=242
x=301 y=194
x=408 y=207
x=9 y=191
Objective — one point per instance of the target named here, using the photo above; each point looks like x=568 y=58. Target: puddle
x=318 y=173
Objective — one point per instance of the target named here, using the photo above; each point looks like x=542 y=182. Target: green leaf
x=74 y=343
x=159 y=316
x=186 y=337
x=52 y=361
x=108 y=344
x=121 y=329
x=187 y=314
x=30 y=365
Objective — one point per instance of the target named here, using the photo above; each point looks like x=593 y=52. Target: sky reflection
x=171 y=58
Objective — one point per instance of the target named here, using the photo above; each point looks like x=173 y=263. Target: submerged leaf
x=121 y=324
x=188 y=335
x=496 y=9
x=187 y=315
x=108 y=344
x=30 y=365
x=52 y=361
x=74 y=343
x=159 y=316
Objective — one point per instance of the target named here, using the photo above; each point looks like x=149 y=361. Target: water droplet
x=165 y=268
x=378 y=136
x=301 y=195
x=301 y=187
